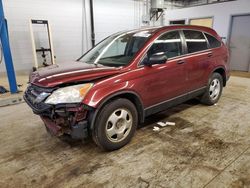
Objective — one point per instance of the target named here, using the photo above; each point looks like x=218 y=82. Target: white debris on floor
x=162 y=124
x=156 y=128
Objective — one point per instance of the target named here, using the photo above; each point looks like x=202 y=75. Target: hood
x=54 y=75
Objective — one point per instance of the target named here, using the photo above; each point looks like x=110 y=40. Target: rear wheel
x=115 y=125
x=214 y=90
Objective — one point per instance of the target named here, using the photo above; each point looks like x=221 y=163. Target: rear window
x=195 y=41
x=213 y=42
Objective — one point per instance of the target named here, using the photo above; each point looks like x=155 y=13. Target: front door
x=240 y=43
x=162 y=82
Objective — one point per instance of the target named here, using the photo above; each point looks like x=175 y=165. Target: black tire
x=116 y=109
x=207 y=97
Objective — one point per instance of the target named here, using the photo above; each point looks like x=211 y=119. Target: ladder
x=42 y=50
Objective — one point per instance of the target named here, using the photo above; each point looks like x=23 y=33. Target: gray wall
x=70 y=23
x=66 y=22
x=221 y=12
x=115 y=15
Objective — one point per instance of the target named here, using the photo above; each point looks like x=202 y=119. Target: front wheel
x=214 y=90
x=115 y=125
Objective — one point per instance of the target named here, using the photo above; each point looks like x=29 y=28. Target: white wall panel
x=115 y=15
x=70 y=23
x=65 y=18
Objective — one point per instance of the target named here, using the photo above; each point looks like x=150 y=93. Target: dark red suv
x=127 y=77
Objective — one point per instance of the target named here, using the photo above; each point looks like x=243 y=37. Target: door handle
x=210 y=54
x=180 y=62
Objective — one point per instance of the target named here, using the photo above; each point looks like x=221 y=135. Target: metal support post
x=6 y=51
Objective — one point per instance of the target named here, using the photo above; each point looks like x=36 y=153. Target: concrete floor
x=208 y=147
x=8 y=98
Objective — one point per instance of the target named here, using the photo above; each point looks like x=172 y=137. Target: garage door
x=207 y=22
x=240 y=43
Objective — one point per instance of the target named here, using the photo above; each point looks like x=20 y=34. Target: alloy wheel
x=119 y=125
x=214 y=89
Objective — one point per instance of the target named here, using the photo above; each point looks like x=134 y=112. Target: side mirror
x=157 y=58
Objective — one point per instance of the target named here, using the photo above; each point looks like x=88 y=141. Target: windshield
x=116 y=50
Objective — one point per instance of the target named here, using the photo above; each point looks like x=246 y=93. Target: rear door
x=197 y=59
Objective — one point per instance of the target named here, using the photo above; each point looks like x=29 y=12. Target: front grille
x=31 y=95
x=41 y=89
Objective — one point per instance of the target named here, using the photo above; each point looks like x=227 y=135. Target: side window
x=195 y=41
x=213 y=42
x=134 y=45
x=170 y=43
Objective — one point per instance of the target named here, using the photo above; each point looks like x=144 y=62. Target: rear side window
x=195 y=41
x=213 y=42
x=170 y=43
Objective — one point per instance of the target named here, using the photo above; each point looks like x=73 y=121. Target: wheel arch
x=222 y=72
x=130 y=95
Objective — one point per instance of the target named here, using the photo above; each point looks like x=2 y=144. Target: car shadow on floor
x=169 y=112
x=148 y=121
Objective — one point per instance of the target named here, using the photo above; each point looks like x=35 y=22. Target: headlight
x=70 y=94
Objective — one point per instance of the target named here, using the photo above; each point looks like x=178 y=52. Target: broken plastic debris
x=156 y=128
x=170 y=123
x=3 y=90
x=162 y=124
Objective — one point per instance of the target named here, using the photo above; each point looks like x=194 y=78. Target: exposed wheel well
x=221 y=71
x=130 y=96
x=135 y=100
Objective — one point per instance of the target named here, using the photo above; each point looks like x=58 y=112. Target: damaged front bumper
x=78 y=131
x=70 y=119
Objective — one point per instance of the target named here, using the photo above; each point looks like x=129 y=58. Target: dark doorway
x=177 y=22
